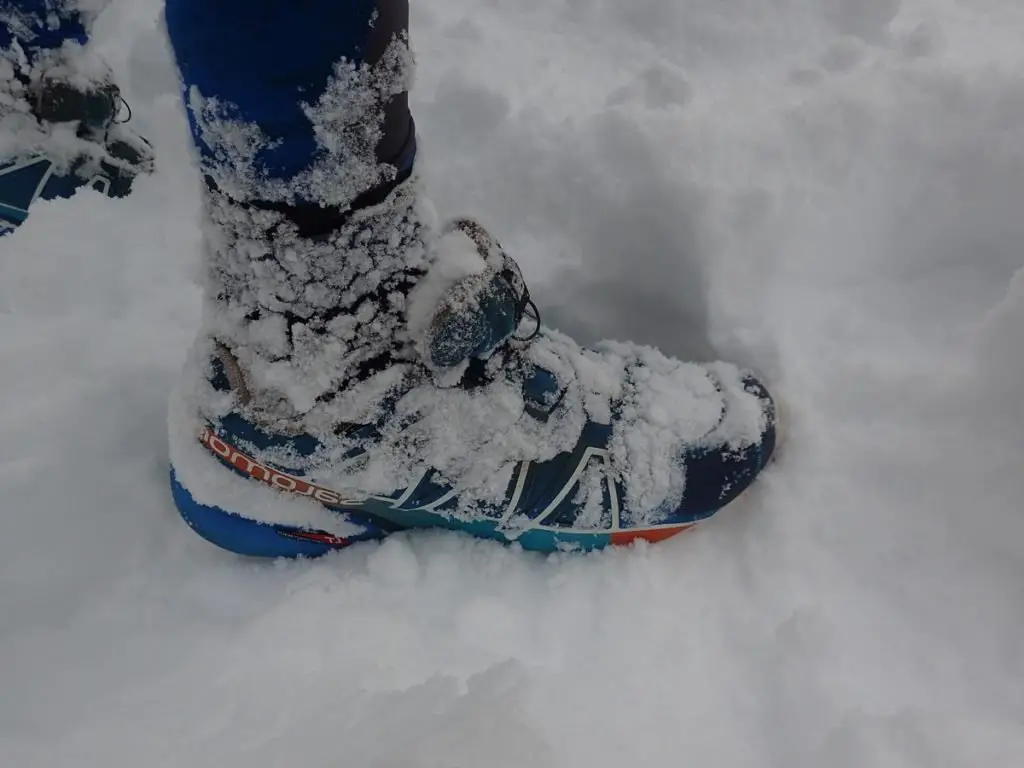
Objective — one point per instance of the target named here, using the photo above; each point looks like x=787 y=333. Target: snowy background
x=829 y=191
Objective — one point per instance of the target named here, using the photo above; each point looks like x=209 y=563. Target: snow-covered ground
x=830 y=191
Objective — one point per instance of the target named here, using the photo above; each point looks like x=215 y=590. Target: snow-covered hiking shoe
x=309 y=418
x=62 y=130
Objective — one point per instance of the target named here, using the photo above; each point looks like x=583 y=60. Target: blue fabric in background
x=267 y=58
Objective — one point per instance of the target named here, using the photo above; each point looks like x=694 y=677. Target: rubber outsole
x=254 y=538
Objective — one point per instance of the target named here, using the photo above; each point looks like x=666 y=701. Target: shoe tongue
x=541 y=385
x=541 y=393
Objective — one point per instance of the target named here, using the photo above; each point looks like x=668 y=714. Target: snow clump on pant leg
x=347 y=122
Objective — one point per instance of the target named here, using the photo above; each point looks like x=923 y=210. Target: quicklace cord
x=118 y=101
x=534 y=315
x=513 y=276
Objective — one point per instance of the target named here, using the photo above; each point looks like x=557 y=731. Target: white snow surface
x=827 y=192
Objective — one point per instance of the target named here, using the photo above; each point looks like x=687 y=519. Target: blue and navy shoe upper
x=540 y=495
x=25 y=180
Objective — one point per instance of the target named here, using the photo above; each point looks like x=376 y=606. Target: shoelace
x=526 y=308
x=120 y=102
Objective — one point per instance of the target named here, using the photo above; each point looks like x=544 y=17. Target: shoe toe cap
x=717 y=474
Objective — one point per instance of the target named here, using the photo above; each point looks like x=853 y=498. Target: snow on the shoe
x=827 y=193
x=194 y=465
x=296 y=324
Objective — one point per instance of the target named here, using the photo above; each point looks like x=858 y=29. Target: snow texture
x=346 y=120
x=300 y=319
x=828 y=193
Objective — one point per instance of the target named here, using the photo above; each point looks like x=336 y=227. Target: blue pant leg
x=40 y=24
x=250 y=68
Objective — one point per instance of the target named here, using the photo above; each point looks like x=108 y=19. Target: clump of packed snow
x=300 y=320
x=828 y=193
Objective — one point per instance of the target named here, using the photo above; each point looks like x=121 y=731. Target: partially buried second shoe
x=293 y=435
x=64 y=131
